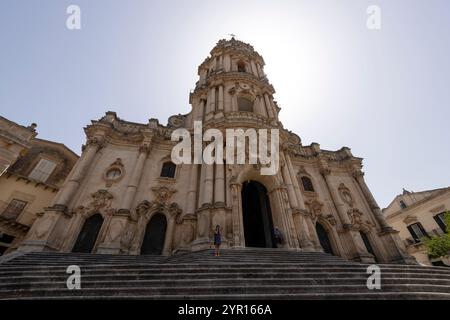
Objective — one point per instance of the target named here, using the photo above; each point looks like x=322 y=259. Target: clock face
x=113 y=174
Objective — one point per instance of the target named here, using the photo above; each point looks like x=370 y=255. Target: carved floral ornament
x=101 y=202
x=160 y=204
x=146 y=209
x=177 y=121
x=243 y=89
x=346 y=195
x=314 y=207
x=163 y=194
x=356 y=220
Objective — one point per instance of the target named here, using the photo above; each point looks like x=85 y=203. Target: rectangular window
x=5 y=242
x=14 y=208
x=403 y=204
x=417 y=231
x=439 y=218
x=43 y=170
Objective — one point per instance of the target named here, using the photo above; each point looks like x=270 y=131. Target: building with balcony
x=419 y=215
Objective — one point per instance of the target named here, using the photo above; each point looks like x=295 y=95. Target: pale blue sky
x=385 y=94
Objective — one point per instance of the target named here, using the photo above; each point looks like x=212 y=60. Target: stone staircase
x=236 y=274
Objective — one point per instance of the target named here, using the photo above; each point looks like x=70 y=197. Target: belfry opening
x=257 y=216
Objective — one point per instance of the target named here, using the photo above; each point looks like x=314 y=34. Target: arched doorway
x=88 y=235
x=257 y=216
x=155 y=234
x=366 y=241
x=324 y=239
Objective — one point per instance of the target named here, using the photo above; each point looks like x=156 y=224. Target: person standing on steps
x=217 y=240
x=278 y=236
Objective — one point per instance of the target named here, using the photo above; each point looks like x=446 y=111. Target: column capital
x=357 y=173
x=325 y=171
x=96 y=142
x=145 y=148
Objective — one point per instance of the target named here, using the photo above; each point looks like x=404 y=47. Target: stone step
x=195 y=270
x=235 y=274
x=219 y=276
x=212 y=282
x=271 y=296
x=219 y=290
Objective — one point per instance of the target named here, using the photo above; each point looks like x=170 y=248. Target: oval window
x=113 y=174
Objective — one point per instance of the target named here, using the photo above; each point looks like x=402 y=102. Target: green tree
x=439 y=246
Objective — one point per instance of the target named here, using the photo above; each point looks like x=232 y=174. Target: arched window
x=168 y=170
x=245 y=104
x=367 y=243
x=403 y=204
x=307 y=184
x=241 y=66
x=88 y=235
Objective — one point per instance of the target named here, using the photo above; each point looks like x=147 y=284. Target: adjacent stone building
x=418 y=215
x=126 y=196
x=34 y=171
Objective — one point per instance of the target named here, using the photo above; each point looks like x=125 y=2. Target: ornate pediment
x=163 y=194
x=176 y=121
x=346 y=195
x=147 y=208
x=314 y=207
x=410 y=219
x=101 y=202
x=357 y=220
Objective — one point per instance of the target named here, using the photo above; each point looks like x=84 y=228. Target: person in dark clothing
x=217 y=240
x=278 y=236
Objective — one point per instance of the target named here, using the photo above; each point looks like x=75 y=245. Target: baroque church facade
x=125 y=195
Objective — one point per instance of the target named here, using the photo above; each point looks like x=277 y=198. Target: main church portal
x=258 y=225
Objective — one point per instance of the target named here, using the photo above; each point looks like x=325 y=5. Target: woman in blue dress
x=217 y=240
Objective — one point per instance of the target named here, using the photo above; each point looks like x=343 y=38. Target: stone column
x=221 y=62
x=253 y=66
x=290 y=188
x=234 y=104
x=326 y=173
x=260 y=72
x=313 y=237
x=268 y=106
x=281 y=204
x=302 y=219
x=358 y=244
x=260 y=106
x=191 y=197
x=393 y=245
x=134 y=179
x=219 y=191
x=274 y=109
x=298 y=192
x=304 y=236
x=211 y=104
x=220 y=99
x=78 y=173
x=167 y=249
x=359 y=176
x=200 y=110
x=227 y=63
x=236 y=211
x=207 y=184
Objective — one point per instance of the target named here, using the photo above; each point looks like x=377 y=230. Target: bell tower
x=232 y=80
